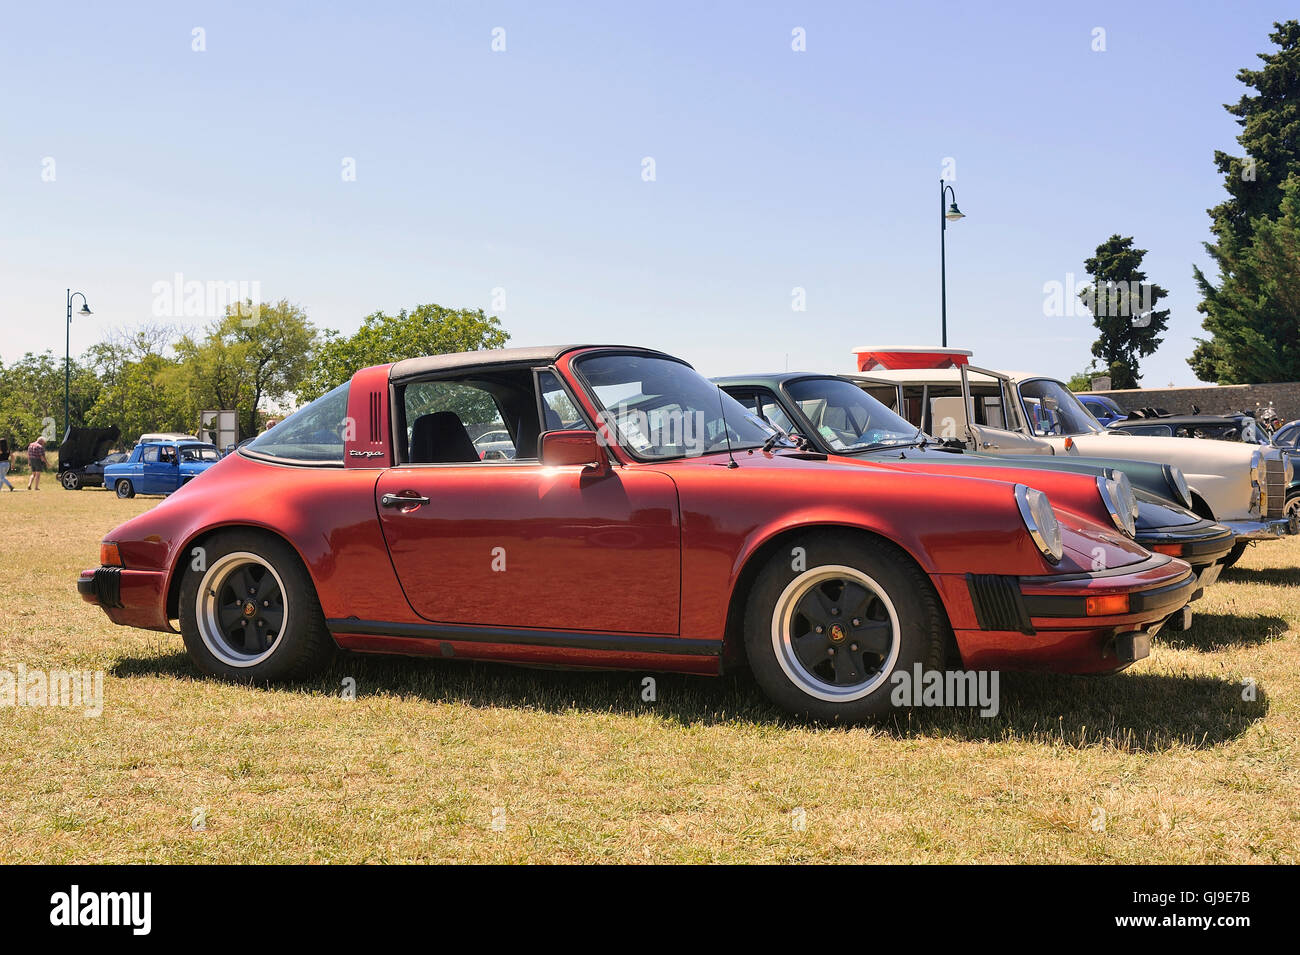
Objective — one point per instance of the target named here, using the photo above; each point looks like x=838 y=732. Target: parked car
x=1241 y=486
x=160 y=467
x=672 y=531
x=1214 y=427
x=1288 y=436
x=1103 y=408
x=495 y=445
x=83 y=455
x=834 y=416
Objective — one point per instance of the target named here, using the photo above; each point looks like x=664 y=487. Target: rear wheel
x=249 y=611
x=830 y=620
x=124 y=488
x=71 y=480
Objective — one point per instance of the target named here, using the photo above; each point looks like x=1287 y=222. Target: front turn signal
x=109 y=555
x=1107 y=605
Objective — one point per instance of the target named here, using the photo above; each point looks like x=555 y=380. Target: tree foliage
x=1254 y=333
x=424 y=330
x=1123 y=306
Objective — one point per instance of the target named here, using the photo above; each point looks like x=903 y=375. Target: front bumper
x=1042 y=622
x=1200 y=544
x=1269 y=529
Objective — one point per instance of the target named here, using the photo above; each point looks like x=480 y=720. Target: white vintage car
x=1240 y=485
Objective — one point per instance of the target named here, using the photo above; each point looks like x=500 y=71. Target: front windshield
x=846 y=418
x=662 y=409
x=1054 y=410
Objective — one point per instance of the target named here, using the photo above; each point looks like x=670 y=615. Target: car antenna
x=726 y=432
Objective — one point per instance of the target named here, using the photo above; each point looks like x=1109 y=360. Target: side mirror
x=567 y=448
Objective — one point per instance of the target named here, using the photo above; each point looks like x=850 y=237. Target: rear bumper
x=1270 y=529
x=1042 y=623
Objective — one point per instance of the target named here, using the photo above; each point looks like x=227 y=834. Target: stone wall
x=1214 y=399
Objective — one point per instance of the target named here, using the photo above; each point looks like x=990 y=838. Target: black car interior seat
x=441 y=438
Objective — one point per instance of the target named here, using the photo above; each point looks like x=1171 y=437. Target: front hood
x=82 y=446
x=1193 y=455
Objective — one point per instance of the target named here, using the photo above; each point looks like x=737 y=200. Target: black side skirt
x=572 y=639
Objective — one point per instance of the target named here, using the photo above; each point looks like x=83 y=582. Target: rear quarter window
x=311 y=435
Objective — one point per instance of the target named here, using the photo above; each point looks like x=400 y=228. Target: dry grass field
x=444 y=761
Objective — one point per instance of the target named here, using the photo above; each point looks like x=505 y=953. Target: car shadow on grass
x=1275 y=576
x=1211 y=632
x=1131 y=712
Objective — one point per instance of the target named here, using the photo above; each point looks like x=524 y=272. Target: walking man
x=36 y=457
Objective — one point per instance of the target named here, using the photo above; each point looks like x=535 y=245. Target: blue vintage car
x=1104 y=409
x=160 y=467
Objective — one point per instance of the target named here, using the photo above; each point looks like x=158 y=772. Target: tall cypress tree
x=1254 y=337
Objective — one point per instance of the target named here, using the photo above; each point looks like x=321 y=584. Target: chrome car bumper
x=1269 y=529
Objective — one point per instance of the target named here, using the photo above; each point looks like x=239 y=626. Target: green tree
x=424 y=330
x=1123 y=305
x=1253 y=313
x=1246 y=337
x=248 y=358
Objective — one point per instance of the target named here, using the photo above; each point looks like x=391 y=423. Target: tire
x=228 y=635
x=897 y=607
x=1292 y=504
x=70 y=480
x=124 y=488
x=1234 y=555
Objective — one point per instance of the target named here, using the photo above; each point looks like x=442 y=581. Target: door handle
x=407 y=499
x=988 y=444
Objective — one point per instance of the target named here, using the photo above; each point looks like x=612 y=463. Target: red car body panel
x=657 y=552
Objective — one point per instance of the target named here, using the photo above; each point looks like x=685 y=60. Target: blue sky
x=521 y=170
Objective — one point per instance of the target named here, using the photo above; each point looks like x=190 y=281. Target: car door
x=153 y=471
x=512 y=543
x=994 y=423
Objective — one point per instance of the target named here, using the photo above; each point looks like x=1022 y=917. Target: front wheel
x=70 y=480
x=830 y=620
x=124 y=488
x=249 y=611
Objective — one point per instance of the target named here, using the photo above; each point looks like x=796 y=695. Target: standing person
x=36 y=457
x=4 y=465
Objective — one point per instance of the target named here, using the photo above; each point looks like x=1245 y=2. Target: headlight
x=1117 y=494
x=1040 y=521
x=1178 y=481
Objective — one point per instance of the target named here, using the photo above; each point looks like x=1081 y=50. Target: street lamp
x=949 y=214
x=67 y=351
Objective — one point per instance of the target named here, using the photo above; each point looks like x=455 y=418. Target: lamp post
x=949 y=214
x=67 y=351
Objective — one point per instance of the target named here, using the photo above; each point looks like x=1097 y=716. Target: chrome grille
x=1275 y=482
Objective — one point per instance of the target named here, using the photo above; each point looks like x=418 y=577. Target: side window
x=773 y=412
x=886 y=395
x=454 y=422
x=912 y=404
x=167 y=455
x=558 y=409
x=150 y=455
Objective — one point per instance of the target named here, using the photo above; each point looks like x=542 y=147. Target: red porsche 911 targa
x=644 y=520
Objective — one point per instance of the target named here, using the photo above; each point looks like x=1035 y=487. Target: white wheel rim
x=216 y=603
x=790 y=635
